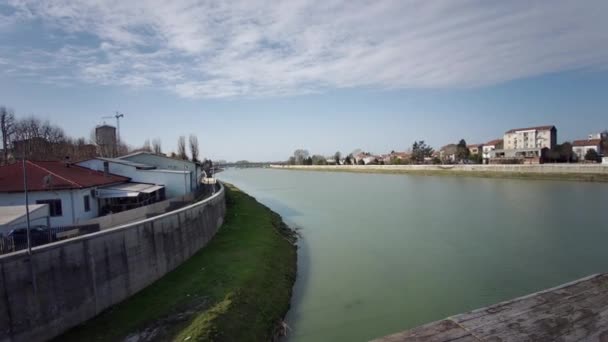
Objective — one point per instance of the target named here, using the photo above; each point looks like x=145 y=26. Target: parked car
x=39 y=235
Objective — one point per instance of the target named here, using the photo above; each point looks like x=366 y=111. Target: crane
x=117 y=116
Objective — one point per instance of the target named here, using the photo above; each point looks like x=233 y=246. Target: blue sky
x=256 y=80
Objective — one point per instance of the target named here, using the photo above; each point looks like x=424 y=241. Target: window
x=87 y=204
x=54 y=206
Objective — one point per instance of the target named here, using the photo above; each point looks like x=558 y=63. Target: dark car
x=39 y=235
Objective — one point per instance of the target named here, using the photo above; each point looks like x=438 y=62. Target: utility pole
x=27 y=206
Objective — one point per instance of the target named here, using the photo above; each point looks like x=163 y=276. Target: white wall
x=169 y=164
x=174 y=181
x=70 y=215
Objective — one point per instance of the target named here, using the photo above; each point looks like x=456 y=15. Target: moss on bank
x=238 y=288
x=581 y=177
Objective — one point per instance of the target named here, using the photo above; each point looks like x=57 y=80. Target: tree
x=146 y=147
x=318 y=159
x=337 y=156
x=348 y=160
x=308 y=161
x=291 y=160
x=476 y=158
x=592 y=155
x=156 y=146
x=193 y=147
x=300 y=156
x=7 y=126
x=181 y=148
x=361 y=162
x=420 y=150
x=462 y=151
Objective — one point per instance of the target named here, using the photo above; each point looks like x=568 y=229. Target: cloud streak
x=201 y=49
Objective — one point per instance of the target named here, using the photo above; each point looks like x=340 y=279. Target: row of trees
x=35 y=139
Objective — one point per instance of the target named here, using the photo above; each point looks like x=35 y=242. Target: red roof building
x=53 y=175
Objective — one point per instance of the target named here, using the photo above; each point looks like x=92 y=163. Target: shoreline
x=456 y=171
x=237 y=288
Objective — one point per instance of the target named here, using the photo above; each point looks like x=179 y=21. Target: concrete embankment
x=576 y=172
x=576 y=311
x=63 y=284
x=237 y=288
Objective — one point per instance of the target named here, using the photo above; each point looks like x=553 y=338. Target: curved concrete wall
x=66 y=283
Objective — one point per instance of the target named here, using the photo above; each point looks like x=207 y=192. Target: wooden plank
x=445 y=330
x=577 y=311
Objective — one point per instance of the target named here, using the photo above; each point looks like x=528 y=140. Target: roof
x=127 y=190
x=155 y=155
x=53 y=175
x=140 y=166
x=587 y=142
x=494 y=142
x=537 y=128
x=14 y=214
x=474 y=145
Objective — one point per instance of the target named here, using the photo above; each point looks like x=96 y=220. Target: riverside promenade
x=576 y=311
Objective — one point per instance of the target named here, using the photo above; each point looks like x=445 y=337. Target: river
x=382 y=253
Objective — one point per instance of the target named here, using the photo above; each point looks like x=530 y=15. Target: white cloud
x=268 y=48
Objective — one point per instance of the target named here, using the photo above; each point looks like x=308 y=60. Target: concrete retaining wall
x=66 y=283
x=542 y=168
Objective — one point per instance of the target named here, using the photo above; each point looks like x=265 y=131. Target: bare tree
x=7 y=126
x=181 y=148
x=156 y=146
x=146 y=147
x=194 y=147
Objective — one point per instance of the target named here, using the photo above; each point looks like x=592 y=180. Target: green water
x=383 y=253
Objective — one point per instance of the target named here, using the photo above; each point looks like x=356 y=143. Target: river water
x=383 y=253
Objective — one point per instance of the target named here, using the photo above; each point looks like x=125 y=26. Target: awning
x=127 y=190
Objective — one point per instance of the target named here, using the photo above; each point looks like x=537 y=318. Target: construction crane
x=117 y=116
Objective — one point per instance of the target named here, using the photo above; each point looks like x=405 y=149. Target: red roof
x=494 y=142
x=588 y=142
x=537 y=128
x=61 y=177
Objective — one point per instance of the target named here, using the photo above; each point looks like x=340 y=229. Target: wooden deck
x=577 y=311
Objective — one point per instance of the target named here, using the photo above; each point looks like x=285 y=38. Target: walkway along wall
x=66 y=283
x=542 y=168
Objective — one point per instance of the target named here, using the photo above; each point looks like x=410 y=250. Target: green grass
x=238 y=288
x=581 y=177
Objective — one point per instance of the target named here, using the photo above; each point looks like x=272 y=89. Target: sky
x=256 y=80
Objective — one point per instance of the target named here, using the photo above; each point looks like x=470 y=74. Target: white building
x=489 y=147
x=162 y=162
x=68 y=190
x=531 y=138
x=176 y=182
x=581 y=147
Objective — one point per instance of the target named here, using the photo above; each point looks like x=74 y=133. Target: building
x=605 y=161
x=69 y=190
x=15 y=216
x=175 y=182
x=105 y=136
x=581 y=147
x=447 y=153
x=162 y=162
x=490 y=146
x=475 y=149
x=525 y=145
x=531 y=138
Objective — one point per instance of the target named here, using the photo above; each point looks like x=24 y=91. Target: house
x=175 y=182
x=69 y=190
x=448 y=153
x=162 y=162
x=581 y=147
x=526 y=145
x=490 y=146
x=475 y=149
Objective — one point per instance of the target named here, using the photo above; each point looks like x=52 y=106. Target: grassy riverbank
x=581 y=177
x=238 y=288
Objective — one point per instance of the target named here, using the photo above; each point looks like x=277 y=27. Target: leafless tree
x=146 y=147
x=194 y=147
x=181 y=148
x=156 y=146
x=7 y=126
